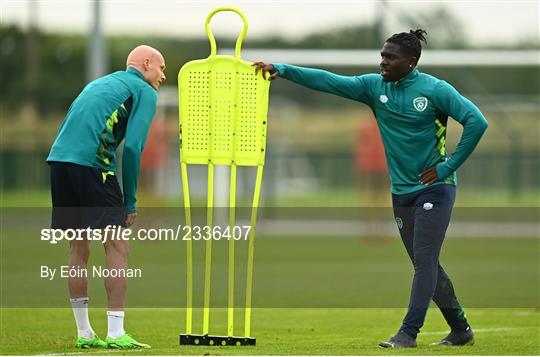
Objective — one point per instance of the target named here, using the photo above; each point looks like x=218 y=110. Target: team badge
x=383 y=98
x=428 y=206
x=399 y=222
x=420 y=103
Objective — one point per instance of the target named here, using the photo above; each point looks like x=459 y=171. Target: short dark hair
x=410 y=42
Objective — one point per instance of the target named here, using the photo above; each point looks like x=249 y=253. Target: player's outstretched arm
x=351 y=87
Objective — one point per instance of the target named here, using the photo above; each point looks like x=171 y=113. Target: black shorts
x=83 y=197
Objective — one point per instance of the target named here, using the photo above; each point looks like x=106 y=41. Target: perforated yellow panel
x=223 y=111
x=194 y=137
x=223 y=106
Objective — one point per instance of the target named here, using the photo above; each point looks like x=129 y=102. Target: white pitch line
x=343 y=228
x=496 y=329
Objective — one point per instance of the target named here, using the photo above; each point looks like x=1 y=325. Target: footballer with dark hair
x=412 y=110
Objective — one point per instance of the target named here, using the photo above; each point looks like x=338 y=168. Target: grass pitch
x=279 y=332
x=314 y=296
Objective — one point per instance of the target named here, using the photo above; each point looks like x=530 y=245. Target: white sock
x=80 y=311
x=116 y=324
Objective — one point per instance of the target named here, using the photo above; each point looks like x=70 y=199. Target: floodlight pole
x=96 y=57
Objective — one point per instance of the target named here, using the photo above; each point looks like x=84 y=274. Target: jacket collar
x=135 y=71
x=409 y=78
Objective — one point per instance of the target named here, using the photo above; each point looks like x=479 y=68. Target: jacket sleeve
x=449 y=101
x=138 y=125
x=351 y=87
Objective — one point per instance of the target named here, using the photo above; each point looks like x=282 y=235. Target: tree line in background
x=48 y=70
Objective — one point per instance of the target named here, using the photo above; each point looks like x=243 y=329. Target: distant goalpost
x=351 y=58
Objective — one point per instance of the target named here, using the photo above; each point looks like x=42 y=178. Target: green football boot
x=125 y=341
x=95 y=342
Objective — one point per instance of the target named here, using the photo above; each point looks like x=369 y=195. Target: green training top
x=117 y=106
x=411 y=114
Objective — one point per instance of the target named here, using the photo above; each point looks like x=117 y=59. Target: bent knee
x=119 y=246
x=425 y=261
x=80 y=249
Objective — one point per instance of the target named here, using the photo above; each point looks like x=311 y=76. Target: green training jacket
x=117 y=106
x=412 y=115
